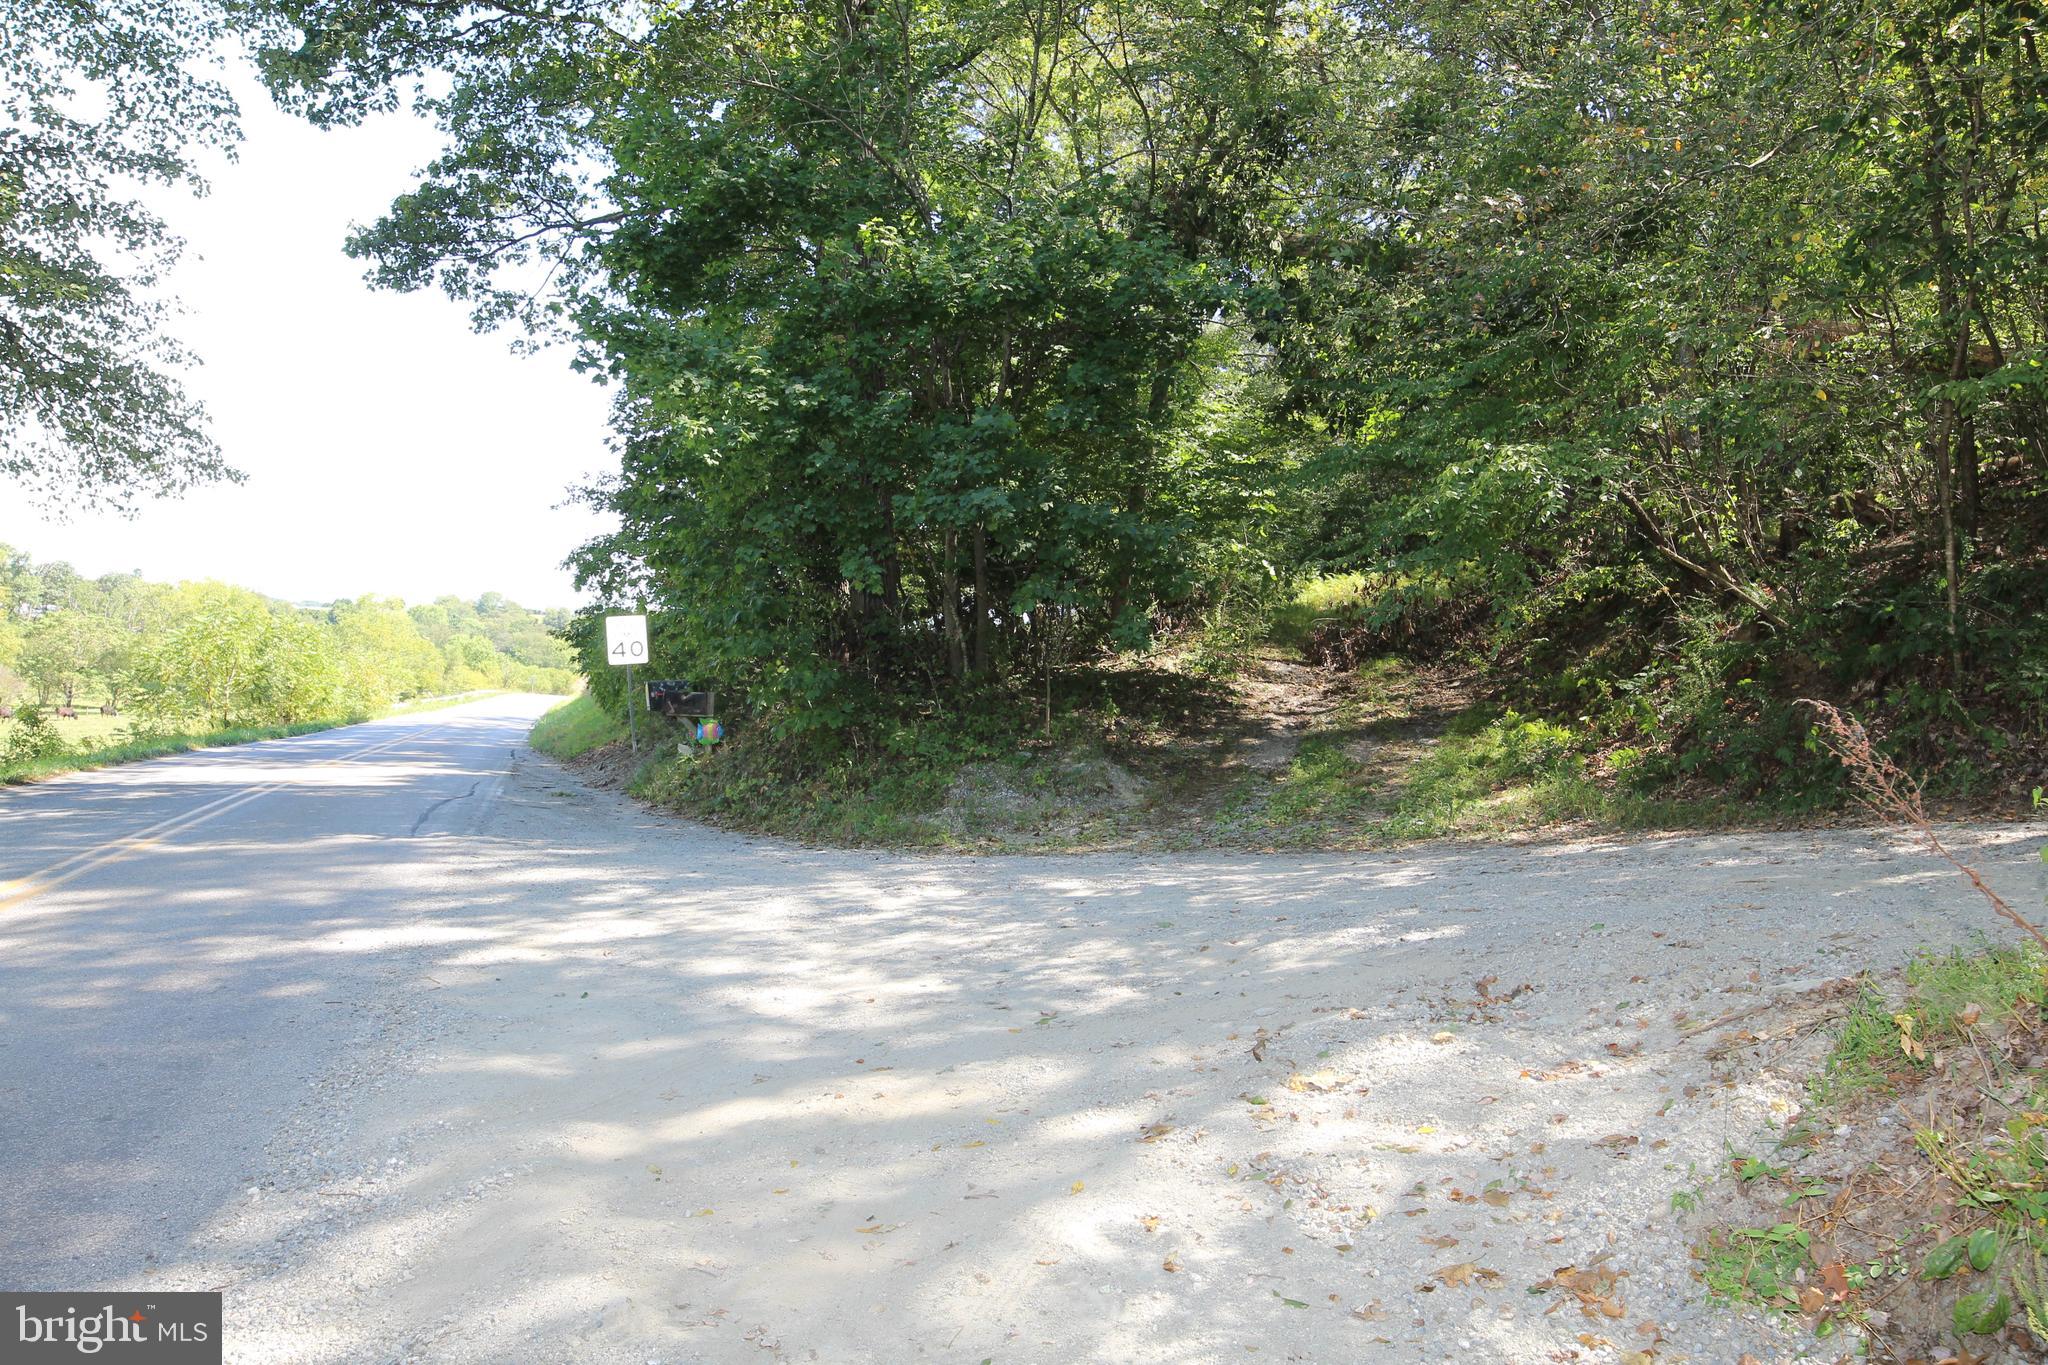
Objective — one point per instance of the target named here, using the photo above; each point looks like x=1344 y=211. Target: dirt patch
x=1890 y=1213
x=1284 y=700
x=1053 y=799
x=612 y=766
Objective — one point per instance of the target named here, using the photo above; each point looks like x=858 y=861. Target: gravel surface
x=672 y=1095
x=624 y=1089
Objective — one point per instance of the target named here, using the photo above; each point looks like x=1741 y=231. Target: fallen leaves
x=1317 y=1082
x=1464 y=1273
x=1596 y=1287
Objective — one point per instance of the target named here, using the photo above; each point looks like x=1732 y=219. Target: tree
x=59 y=652
x=99 y=99
x=908 y=302
x=385 y=650
x=211 y=665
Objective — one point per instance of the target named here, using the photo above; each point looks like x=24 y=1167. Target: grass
x=1488 y=773
x=1763 y=1266
x=88 y=730
x=575 y=727
x=1879 y=1044
x=1334 y=596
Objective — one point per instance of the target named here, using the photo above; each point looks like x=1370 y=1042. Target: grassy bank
x=1354 y=712
x=574 y=728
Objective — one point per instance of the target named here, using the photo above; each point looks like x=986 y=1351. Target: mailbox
x=676 y=700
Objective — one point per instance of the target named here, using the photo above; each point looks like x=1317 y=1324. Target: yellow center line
x=21 y=889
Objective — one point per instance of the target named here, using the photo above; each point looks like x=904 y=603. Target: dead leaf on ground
x=1596 y=1287
x=1464 y=1272
x=1315 y=1082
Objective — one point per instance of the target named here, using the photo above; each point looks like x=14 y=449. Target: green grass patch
x=879 y=792
x=575 y=727
x=1763 y=1266
x=1947 y=995
x=983 y=777
x=1342 y=596
x=1488 y=773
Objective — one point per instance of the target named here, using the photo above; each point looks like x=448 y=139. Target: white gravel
x=652 y=1093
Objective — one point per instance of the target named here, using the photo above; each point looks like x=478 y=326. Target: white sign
x=625 y=639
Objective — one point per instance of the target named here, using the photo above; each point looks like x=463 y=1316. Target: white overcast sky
x=388 y=448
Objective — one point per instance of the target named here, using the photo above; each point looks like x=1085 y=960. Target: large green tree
x=915 y=308
x=99 y=101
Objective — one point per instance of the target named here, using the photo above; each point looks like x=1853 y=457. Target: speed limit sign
x=625 y=640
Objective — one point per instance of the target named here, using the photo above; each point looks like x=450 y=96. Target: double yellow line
x=23 y=889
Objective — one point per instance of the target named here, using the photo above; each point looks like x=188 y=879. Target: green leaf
x=1945 y=1260
x=1981 y=1313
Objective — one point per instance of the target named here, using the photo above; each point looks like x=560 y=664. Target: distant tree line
x=214 y=656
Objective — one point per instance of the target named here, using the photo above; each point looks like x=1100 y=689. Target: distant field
x=90 y=728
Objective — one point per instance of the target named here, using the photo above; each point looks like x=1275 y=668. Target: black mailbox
x=675 y=699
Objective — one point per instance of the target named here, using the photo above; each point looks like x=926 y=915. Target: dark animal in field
x=67 y=712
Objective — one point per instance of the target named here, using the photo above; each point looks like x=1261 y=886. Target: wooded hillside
x=1676 y=360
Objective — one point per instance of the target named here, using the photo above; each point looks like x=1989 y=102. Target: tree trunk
x=949 y=605
x=982 y=622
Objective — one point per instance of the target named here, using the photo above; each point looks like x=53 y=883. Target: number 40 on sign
x=625 y=640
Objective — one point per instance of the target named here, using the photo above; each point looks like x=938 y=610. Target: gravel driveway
x=648 y=1092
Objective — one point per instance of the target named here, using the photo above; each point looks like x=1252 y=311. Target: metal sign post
x=625 y=644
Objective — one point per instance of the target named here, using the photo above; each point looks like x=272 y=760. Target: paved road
x=167 y=985
x=420 y=1049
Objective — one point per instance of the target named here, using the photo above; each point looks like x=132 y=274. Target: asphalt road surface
x=417 y=1048
x=167 y=984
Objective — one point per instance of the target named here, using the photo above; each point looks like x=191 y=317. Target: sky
x=388 y=448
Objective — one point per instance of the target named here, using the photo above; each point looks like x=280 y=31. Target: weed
x=1757 y=1265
